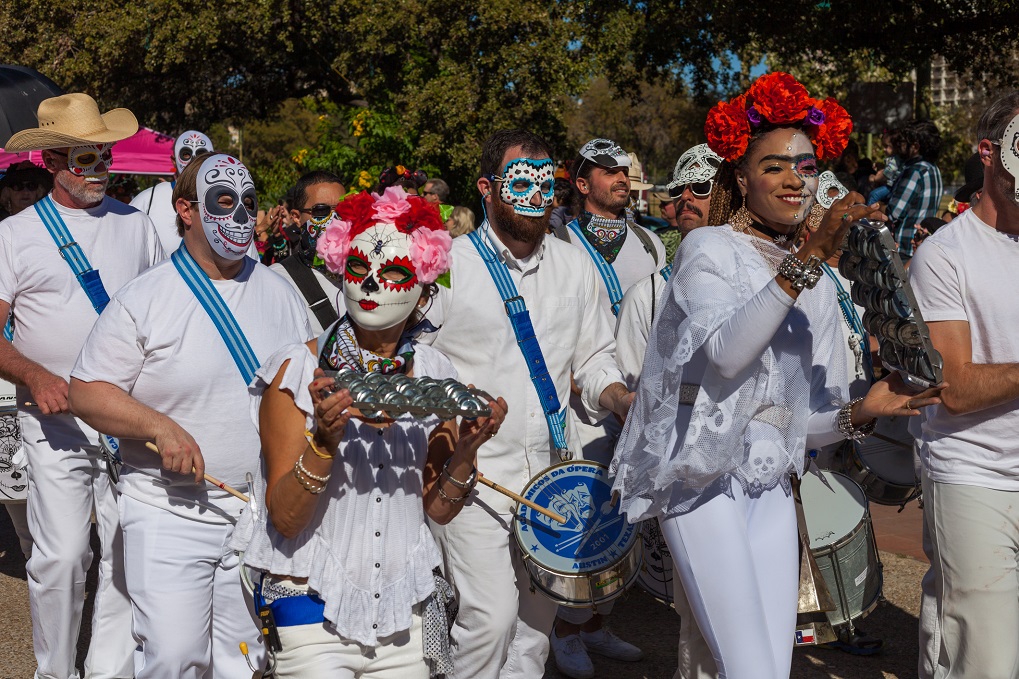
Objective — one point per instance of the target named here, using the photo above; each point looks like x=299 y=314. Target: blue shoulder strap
x=9 y=328
x=219 y=312
x=608 y=274
x=87 y=277
x=520 y=319
x=666 y=271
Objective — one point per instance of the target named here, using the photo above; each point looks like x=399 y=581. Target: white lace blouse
x=366 y=551
x=770 y=370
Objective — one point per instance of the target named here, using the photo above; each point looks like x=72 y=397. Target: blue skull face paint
x=521 y=179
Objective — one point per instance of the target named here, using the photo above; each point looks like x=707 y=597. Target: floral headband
x=777 y=99
x=430 y=243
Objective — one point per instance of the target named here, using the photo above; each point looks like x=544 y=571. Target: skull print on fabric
x=91 y=162
x=227 y=204
x=381 y=287
x=1010 y=153
x=189 y=146
x=522 y=179
x=827 y=183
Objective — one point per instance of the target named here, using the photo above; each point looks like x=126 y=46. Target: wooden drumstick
x=522 y=500
x=211 y=479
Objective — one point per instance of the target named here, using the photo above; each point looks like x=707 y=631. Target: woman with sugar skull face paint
x=345 y=493
x=739 y=376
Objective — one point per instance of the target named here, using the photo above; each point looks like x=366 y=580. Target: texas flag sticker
x=804 y=636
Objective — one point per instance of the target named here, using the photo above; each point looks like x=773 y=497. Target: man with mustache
x=502 y=627
x=59 y=262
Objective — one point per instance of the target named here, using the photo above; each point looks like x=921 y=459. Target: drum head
x=8 y=402
x=595 y=534
x=833 y=507
x=891 y=463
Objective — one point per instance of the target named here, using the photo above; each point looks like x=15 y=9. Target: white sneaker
x=570 y=656
x=604 y=642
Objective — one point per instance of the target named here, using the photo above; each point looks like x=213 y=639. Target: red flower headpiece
x=777 y=99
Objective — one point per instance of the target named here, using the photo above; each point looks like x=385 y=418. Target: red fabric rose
x=780 y=98
x=358 y=209
x=422 y=214
x=831 y=138
x=727 y=130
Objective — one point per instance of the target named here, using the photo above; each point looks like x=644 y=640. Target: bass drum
x=655 y=576
x=590 y=559
x=13 y=478
x=883 y=466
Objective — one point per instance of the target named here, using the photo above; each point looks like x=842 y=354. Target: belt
x=688 y=393
x=776 y=416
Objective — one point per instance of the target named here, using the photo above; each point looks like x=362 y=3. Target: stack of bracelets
x=465 y=486
x=308 y=480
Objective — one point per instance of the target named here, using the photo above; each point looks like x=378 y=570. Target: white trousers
x=502 y=628
x=318 y=652
x=18 y=511
x=974 y=535
x=738 y=562
x=66 y=483
x=190 y=611
x=695 y=658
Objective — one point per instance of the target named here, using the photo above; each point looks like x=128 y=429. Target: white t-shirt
x=156 y=342
x=965 y=272
x=331 y=288
x=52 y=314
x=157 y=203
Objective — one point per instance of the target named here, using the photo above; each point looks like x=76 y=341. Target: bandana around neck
x=606 y=235
x=342 y=351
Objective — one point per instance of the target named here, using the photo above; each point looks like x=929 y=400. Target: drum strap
x=219 y=312
x=608 y=274
x=9 y=328
x=69 y=249
x=851 y=317
x=520 y=319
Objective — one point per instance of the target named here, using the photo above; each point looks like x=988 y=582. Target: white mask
x=1010 y=152
x=381 y=287
x=91 y=162
x=190 y=145
x=825 y=182
x=229 y=229
x=698 y=164
x=522 y=178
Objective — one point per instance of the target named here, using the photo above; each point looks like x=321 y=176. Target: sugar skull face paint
x=189 y=146
x=381 y=287
x=91 y=162
x=829 y=190
x=781 y=178
x=227 y=204
x=522 y=180
x=1010 y=153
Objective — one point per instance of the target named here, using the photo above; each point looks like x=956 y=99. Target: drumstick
x=211 y=479
x=522 y=500
x=888 y=439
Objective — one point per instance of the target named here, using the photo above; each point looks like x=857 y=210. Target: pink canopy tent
x=147 y=152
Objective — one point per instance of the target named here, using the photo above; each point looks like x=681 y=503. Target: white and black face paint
x=522 y=178
x=189 y=146
x=1010 y=153
x=829 y=189
x=227 y=204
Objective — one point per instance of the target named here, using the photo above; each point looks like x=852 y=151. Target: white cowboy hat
x=636 y=173
x=73 y=120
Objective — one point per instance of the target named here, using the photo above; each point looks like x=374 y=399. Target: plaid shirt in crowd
x=915 y=196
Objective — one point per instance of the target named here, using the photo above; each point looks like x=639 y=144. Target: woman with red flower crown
x=740 y=376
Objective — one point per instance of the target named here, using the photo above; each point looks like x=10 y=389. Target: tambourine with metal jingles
x=396 y=394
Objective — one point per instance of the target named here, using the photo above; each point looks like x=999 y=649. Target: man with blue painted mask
x=503 y=624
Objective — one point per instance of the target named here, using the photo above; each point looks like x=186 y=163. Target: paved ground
x=638 y=617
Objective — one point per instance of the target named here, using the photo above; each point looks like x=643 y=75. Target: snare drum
x=842 y=542
x=884 y=469
x=13 y=479
x=655 y=576
x=590 y=559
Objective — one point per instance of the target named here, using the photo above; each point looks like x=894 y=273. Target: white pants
x=318 y=652
x=18 y=511
x=502 y=628
x=190 y=611
x=738 y=562
x=66 y=483
x=974 y=534
x=695 y=658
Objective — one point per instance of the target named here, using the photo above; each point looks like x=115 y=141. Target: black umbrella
x=21 y=90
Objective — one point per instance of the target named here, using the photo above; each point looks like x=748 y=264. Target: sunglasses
x=698 y=189
x=319 y=211
x=24 y=186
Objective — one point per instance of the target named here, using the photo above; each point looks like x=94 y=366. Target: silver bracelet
x=304 y=470
x=454 y=500
x=801 y=274
x=844 y=423
x=467 y=485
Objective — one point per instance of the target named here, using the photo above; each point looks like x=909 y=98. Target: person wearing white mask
x=170 y=362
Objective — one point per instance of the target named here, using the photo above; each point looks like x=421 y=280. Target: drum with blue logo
x=590 y=559
x=13 y=472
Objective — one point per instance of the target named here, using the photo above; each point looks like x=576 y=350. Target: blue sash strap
x=69 y=249
x=219 y=312
x=520 y=319
x=608 y=274
x=9 y=328
x=666 y=271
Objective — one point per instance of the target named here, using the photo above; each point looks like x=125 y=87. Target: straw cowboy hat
x=636 y=175
x=73 y=120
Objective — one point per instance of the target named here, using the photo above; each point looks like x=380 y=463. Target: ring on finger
x=909 y=405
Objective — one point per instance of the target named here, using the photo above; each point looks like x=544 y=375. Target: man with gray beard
x=51 y=257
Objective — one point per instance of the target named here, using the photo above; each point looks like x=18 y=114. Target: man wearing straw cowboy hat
x=59 y=262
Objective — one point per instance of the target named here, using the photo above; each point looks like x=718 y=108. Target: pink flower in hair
x=429 y=252
x=334 y=245
x=391 y=205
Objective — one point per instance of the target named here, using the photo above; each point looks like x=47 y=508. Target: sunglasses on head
x=319 y=211
x=698 y=189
